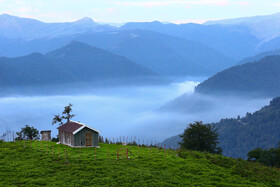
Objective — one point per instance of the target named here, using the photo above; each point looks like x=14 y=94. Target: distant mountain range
x=234 y=41
x=264 y=27
x=13 y=27
x=167 y=49
x=74 y=63
x=240 y=135
x=259 y=78
x=164 y=54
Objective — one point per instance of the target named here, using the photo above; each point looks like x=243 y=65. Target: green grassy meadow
x=36 y=163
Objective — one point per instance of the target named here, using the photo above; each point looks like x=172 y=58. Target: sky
x=121 y=11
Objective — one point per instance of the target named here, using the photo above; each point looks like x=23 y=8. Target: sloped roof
x=74 y=127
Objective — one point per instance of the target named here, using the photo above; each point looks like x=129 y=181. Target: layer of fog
x=124 y=111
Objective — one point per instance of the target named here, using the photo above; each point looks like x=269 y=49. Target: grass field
x=43 y=163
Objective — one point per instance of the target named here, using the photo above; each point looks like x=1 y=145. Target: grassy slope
x=26 y=165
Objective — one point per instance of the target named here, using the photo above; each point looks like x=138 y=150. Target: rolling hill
x=147 y=166
x=259 y=78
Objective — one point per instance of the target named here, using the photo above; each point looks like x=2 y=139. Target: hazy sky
x=118 y=11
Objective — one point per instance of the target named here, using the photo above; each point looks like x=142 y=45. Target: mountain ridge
x=94 y=66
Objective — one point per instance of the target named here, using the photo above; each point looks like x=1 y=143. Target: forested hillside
x=259 y=129
x=258 y=78
x=238 y=136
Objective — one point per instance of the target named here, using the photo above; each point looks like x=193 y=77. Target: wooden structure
x=46 y=135
x=122 y=153
x=76 y=134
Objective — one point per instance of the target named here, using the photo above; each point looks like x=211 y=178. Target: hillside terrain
x=238 y=136
x=259 y=129
x=74 y=63
x=259 y=78
x=43 y=163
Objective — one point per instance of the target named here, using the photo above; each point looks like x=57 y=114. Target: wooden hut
x=46 y=135
x=76 y=134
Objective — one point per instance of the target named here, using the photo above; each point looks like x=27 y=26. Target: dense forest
x=260 y=129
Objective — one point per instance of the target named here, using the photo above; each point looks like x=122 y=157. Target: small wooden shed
x=76 y=134
x=46 y=135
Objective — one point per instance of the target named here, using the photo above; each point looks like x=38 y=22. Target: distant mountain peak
x=74 y=48
x=86 y=20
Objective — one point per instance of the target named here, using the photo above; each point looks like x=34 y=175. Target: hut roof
x=74 y=127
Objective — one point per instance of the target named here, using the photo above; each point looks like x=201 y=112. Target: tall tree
x=28 y=132
x=66 y=114
x=201 y=137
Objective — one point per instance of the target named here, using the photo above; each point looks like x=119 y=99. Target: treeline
x=267 y=157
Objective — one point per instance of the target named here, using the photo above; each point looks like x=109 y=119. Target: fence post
x=127 y=153
x=169 y=150
x=65 y=156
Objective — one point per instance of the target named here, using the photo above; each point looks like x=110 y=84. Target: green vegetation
x=238 y=136
x=26 y=163
x=66 y=114
x=200 y=137
x=260 y=129
x=27 y=133
x=270 y=157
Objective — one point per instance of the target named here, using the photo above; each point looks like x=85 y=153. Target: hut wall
x=66 y=138
x=80 y=137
